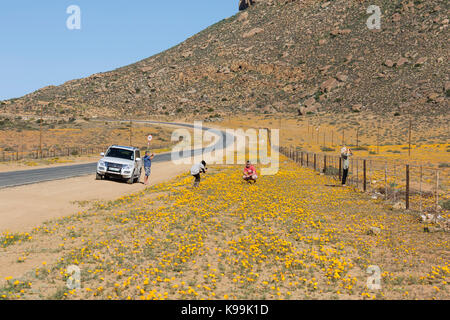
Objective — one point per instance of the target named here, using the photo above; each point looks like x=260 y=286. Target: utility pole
x=281 y=140
x=131 y=131
x=378 y=138
x=409 y=147
x=40 y=132
x=357 y=137
x=332 y=138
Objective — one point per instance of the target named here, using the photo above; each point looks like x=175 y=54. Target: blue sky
x=37 y=49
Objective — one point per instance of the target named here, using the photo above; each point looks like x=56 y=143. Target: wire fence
x=412 y=187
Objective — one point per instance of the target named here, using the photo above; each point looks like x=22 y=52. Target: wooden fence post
x=385 y=182
x=324 y=164
x=315 y=160
x=365 y=176
x=420 y=189
x=407 y=187
x=307 y=159
x=437 y=190
x=340 y=169
x=301 y=158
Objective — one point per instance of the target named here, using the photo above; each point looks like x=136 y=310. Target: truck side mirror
x=102 y=154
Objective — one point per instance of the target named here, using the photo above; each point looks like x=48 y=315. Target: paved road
x=19 y=178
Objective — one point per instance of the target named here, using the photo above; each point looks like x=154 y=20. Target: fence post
x=315 y=159
x=307 y=159
x=324 y=164
x=365 y=176
x=437 y=190
x=420 y=189
x=385 y=182
x=301 y=158
x=357 y=173
x=407 y=187
x=340 y=169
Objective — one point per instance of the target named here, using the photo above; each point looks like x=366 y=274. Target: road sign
x=149 y=138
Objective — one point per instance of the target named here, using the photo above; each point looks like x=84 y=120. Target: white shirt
x=196 y=168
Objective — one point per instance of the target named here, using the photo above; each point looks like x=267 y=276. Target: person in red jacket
x=250 y=173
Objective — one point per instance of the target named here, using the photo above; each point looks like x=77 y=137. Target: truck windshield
x=120 y=153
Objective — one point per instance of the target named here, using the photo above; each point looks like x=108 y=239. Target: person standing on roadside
x=346 y=153
x=147 y=165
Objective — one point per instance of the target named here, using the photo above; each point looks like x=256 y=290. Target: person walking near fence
x=346 y=153
x=196 y=170
x=147 y=165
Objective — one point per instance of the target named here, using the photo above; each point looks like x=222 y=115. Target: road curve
x=24 y=177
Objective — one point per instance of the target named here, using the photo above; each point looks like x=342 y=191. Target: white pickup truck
x=120 y=162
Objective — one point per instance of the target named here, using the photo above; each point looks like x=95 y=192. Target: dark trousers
x=197 y=179
x=344 y=176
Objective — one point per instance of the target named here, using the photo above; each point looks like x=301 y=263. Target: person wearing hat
x=196 y=170
x=345 y=155
x=147 y=165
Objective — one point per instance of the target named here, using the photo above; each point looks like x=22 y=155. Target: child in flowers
x=196 y=170
x=250 y=173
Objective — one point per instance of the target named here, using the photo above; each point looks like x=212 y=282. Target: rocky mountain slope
x=279 y=56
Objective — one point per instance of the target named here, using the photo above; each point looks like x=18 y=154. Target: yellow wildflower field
x=293 y=235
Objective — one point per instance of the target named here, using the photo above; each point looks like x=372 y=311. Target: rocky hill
x=279 y=56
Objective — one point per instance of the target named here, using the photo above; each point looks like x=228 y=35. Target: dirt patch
x=24 y=207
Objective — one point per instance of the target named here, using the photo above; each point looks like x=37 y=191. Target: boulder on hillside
x=309 y=102
x=341 y=77
x=252 y=32
x=401 y=62
x=329 y=85
x=420 y=61
x=447 y=88
x=389 y=63
x=303 y=110
x=356 y=107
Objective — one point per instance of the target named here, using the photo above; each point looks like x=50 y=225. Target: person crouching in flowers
x=250 y=173
x=196 y=170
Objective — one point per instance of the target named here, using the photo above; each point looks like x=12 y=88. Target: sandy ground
x=24 y=207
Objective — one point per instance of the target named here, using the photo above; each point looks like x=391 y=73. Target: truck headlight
x=101 y=164
x=127 y=167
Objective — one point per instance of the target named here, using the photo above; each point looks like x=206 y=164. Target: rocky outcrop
x=244 y=4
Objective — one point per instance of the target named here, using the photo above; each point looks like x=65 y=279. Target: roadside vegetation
x=290 y=236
